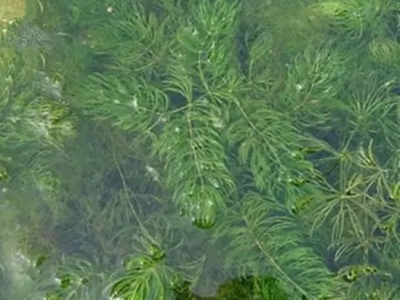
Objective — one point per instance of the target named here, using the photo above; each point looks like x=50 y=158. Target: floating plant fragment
x=47 y=87
x=29 y=36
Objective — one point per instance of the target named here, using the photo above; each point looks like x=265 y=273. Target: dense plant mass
x=219 y=149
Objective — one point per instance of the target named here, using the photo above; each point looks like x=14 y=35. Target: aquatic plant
x=199 y=149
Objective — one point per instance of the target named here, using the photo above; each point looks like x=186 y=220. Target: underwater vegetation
x=182 y=149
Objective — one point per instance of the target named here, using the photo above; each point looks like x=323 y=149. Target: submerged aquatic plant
x=196 y=150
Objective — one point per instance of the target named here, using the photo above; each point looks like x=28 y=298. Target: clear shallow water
x=165 y=151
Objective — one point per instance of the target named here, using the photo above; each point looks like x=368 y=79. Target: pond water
x=200 y=150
